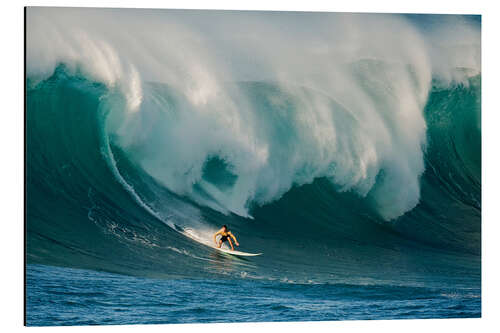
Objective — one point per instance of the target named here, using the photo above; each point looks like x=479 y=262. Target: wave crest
x=341 y=99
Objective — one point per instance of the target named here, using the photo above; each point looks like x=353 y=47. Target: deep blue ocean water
x=67 y=296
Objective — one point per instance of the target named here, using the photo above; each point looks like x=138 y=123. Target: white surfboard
x=237 y=253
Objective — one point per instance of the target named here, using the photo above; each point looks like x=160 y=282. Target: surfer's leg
x=220 y=244
x=231 y=243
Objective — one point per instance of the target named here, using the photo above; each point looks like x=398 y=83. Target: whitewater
x=345 y=147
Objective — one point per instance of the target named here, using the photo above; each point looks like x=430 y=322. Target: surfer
x=226 y=236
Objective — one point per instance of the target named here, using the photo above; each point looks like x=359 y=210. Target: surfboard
x=237 y=253
x=193 y=236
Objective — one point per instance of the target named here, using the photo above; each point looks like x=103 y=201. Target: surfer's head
x=224 y=227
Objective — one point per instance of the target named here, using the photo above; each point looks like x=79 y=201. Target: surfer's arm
x=215 y=236
x=235 y=241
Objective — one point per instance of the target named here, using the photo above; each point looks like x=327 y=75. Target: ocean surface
x=68 y=296
x=357 y=173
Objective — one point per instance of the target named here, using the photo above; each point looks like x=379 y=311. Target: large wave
x=137 y=119
x=345 y=101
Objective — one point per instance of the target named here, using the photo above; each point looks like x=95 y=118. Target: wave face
x=360 y=157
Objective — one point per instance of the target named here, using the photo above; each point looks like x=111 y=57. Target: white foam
x=378 y=69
